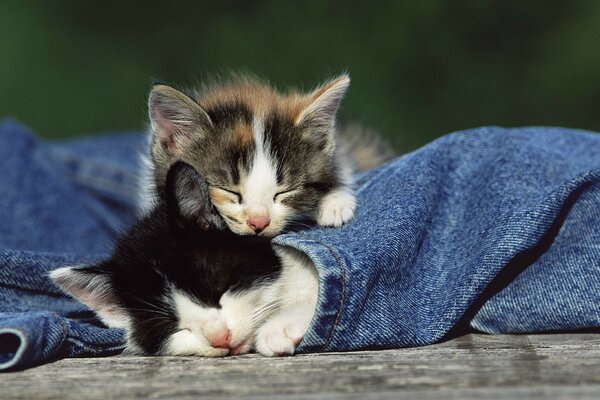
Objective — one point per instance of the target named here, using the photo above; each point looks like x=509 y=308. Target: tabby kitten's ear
x=175 y=118
x=92 y=286
x=318 y=116
x=188 y=198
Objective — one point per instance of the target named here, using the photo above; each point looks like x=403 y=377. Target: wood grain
x=470 y=367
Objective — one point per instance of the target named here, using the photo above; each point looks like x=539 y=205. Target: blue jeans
x=489 y=229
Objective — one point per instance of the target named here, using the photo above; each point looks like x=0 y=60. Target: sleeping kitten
x=180 y=283
x=269 y=158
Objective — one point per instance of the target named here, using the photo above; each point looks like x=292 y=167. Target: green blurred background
x=419 y=68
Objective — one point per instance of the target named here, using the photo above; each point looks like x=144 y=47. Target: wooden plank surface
x=471 y=367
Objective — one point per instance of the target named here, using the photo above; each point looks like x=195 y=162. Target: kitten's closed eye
x=284 y=193
x=230 y=194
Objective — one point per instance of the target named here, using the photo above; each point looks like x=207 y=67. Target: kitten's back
x=363 y=147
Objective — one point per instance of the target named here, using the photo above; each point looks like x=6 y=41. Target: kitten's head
x=177 y=283
x=268 y=157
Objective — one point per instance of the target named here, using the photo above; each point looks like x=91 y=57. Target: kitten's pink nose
x=258 y=224
x=217 y=333
x=219 y=339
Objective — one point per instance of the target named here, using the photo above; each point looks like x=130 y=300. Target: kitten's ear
x=91 y=285
x=324 y=102
x=175 y=118
x=188 y=197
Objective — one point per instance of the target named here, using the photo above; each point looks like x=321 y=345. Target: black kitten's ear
x=91 y=285
x=176 y=119
x=188 y=197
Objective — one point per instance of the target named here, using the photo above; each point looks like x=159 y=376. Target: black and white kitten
x=180 y=283
x=269 y=158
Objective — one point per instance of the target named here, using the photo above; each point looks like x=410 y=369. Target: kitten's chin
x=242 y=232
x=242 y=348
x=267 y=233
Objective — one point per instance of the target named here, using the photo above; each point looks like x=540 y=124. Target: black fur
x=165 y=249
x=227 y=114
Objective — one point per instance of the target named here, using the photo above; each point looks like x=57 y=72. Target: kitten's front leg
x=298 y=293
x=337 y=207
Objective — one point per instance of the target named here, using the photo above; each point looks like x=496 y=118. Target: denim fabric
x=59 y=205
x=503 y=218
x=491 y=229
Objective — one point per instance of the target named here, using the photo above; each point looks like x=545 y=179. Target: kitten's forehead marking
x=261 y=182
x=258 y=128
x=243 y=134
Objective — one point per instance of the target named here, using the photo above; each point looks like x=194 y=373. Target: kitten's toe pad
x=336 y=208
x=279 y=340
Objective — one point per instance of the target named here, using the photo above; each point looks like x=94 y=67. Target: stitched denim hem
x=14 y=354
x=330 y=302
x=39 y=335
x=95 y=349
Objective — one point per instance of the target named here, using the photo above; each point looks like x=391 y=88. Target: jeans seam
x=8 y=365
x=342 y=294
x=64 y=335
x=87 y=347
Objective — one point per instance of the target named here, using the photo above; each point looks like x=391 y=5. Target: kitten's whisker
x=163 y=319
x=153 y=306
x=152 y=310
x=293 y=224
x=266 y=310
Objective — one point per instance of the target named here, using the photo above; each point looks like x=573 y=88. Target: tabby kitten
x=269 y=158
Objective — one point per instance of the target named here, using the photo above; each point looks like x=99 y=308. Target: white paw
x=279 y=337
x=336 y=208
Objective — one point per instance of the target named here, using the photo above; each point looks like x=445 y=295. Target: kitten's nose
x=219 y=339
x=258 y=224
x=217 y=334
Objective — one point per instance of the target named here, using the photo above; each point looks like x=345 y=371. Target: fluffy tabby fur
x=180 y=283
x=269 y=158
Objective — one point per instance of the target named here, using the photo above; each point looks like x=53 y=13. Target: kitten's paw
x=279 y=337
x=336 y=208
